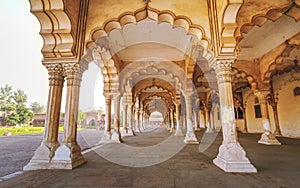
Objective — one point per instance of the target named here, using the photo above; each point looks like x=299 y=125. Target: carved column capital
x=73 y=73
x=222 y=68
x=108 y=99
x=55 y=71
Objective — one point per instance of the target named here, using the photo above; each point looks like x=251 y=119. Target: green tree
x=19 y=97
x=13 y=102
x=24 y=113
x=81 y=116
x=37 y=108
x=12 y=118
x=5 y=98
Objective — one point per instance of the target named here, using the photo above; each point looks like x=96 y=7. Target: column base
x=190 y=138
x=127 y=132
x=209 y=130
x=110 y=137
x=172 y=130
x=67 y=157
x=116 y=137
x=197 y=129
x=178 y=132
x=232 y=158
x=268 y=138
x=277 y=133
x=41 y=158
x=106 y=137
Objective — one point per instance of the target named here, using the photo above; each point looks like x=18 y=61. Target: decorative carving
x=222 y=68
x=55 y=72
x=73 y=72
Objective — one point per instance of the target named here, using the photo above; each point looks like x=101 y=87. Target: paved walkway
x=278 y=166
x=16 y=151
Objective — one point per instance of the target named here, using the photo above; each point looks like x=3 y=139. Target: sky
x=20 y=52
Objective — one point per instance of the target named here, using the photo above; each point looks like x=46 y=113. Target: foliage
x=13 y=103
x=24 y=130
x=37 y=108
x=13 y=118
x=5 y=98
x=24 y=114
x=19 y=97
x=81 y=116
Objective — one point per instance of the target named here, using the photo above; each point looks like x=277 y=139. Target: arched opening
x=156 y=119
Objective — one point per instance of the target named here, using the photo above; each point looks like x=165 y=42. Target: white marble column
x=116 y=135
x=173 y=128
x=196 y=119
x=106 y=137
x=190 y=137
x=44 y=153
x=68 y=155
x=125 y=123
x=231 y=156
x=139 y=119
x=178 y=128
x=267 y=138
x=131 y=120
x=209 y=128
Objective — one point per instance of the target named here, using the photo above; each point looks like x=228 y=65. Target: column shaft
x=231 y=156
x=190 y=137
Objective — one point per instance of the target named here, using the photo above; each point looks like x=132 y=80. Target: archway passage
x=150 y=55
x=156 y=119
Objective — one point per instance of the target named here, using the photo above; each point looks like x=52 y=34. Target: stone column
x=173 y=128
x=190 y=137
x=231 y=156
x=124 y=131
x=267 y=137
x=178 y=128
x=107 y=134
x=143 y=120
x=44 y=153
x=130 y=131
x=139 y=114
x=196 y=119
x=68 y=155
x=245 y=120
x=276 y=119
x=116 y=135
x=209 y=128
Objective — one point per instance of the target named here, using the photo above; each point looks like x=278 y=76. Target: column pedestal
x=267 y=137
x=41 y=158
x=67 y=157
x=232 y=158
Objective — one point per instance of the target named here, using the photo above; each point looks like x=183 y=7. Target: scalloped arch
x=153 y=14
x=137 y=75
x=242 y=74
x=260 y=19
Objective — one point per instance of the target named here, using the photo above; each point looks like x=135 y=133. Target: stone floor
x=16 y=151
x=278 y=166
